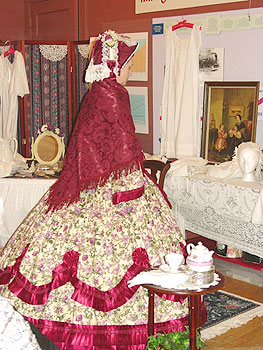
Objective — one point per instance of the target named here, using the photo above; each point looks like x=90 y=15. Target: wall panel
x=52 y=19
x=12 y=20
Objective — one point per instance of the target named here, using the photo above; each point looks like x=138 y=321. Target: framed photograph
x=229 y=118
x=211 y=64
x=139 y=108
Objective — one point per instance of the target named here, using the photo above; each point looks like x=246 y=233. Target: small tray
x=197 y=280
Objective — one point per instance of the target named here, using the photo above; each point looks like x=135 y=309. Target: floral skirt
x=67 y=271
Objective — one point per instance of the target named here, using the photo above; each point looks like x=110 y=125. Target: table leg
x=151 y=313
x=195 y=318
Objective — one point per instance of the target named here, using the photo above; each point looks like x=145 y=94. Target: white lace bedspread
x=217 y=209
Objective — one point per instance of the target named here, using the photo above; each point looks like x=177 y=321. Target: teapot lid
x=200 y=246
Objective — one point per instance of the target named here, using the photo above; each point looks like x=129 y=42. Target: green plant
x=173 y=341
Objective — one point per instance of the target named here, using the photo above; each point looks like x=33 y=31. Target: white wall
x=243 y=61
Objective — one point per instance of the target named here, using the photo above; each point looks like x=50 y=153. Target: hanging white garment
x=13 y=83
x=180 y=126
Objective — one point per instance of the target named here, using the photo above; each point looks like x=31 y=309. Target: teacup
x=174 y=260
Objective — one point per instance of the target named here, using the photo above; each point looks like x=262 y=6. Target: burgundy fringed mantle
x=103 y=143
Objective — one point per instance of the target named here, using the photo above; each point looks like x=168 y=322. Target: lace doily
x=54 y=53
x=83 y=49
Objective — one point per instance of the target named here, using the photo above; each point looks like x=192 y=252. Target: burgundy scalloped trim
x=83 y=293
x=38 y=295
x=54 y=201
x=117 y=296
x=10 y=271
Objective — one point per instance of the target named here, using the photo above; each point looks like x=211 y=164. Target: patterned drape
x=48 y=84
x=81 y=59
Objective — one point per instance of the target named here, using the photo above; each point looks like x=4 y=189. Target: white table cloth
x=17 y=197
x=217 y=209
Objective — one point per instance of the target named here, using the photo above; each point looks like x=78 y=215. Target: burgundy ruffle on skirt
x=71 y=336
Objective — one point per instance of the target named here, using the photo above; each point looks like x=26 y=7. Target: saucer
x=166 y=268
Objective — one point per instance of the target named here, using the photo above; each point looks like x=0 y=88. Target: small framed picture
x=229 y=118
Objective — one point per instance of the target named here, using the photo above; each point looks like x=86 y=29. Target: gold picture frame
x=229 y=118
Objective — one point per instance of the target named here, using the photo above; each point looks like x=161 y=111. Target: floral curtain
x=81 y=53
x=48 y=103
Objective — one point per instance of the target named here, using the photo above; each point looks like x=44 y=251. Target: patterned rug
x=225 y=311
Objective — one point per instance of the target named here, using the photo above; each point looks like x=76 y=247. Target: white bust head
x=249 y=157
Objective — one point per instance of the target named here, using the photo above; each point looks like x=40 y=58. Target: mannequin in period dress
x=100 y=224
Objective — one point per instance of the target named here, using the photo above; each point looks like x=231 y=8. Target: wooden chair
x=154 y=166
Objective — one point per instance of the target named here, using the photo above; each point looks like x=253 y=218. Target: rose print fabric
x=103 y=236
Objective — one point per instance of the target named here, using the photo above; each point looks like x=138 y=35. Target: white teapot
x=199 y=253
x=199 y=257
x=6 y=152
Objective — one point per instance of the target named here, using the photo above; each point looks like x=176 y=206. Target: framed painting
x=229 y=118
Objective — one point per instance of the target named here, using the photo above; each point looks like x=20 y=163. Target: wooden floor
x=248 y=336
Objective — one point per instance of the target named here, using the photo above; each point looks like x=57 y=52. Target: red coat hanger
x=10 y=51
x=183 y=24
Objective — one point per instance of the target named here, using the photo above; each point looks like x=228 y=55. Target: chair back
x=154 y=166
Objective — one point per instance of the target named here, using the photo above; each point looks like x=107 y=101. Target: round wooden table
x=194 y=304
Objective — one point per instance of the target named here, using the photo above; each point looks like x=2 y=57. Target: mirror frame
x=61 y=147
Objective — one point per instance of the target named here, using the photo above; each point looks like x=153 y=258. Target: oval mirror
x=48 y=148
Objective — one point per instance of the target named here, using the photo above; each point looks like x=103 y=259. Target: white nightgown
x=13 y=83
x=180 y=127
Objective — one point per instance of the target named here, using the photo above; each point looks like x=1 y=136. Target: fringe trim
x=233 y=322
x=55 y=202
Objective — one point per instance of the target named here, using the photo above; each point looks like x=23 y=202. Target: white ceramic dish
x=166 y=268
x=16 y=168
